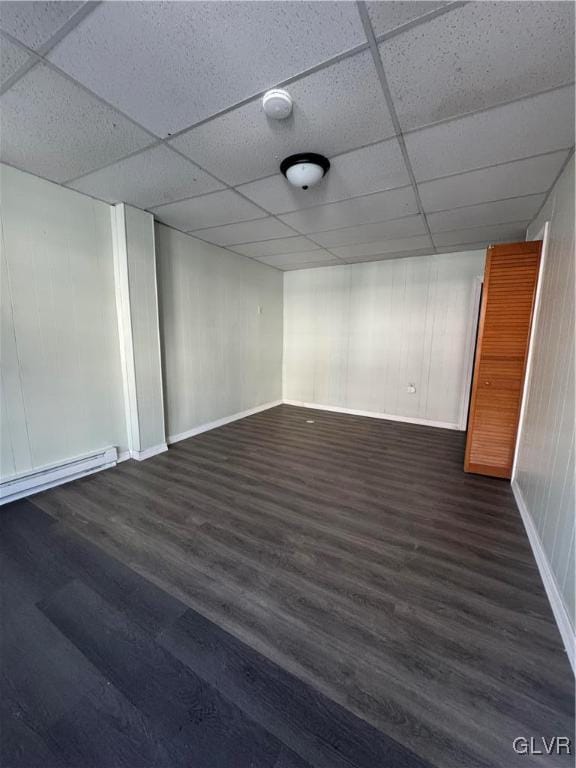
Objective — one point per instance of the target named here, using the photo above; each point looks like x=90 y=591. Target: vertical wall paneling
x=357 y=336
x=59 y=352
x=545 y=468
x=137 y=307
x=221 y=331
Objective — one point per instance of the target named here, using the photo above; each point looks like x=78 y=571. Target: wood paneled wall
x=60 y=361
x=221 y=331
x=356 y=336
x=546 y=460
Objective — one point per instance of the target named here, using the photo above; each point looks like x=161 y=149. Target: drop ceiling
x=446 y=123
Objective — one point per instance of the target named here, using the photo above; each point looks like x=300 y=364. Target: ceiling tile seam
x=20 y=72
x=488 y=202
x=493 y=165
x=166 y=143
x=46 y=47
x=47 y=63
x=461 y=115
x=353 y=197
x=419 y=20
x=293 y=210
x=129 y=156
x=333 y=157
x=247 y=199
x=481 y=227
x=77 y=17
x=312 y=235
x=268 y=240
x=361 y=48
x=560 y=172
x=214 y=245
x=379 y=66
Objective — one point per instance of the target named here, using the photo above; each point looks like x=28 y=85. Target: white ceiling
x=446 y=123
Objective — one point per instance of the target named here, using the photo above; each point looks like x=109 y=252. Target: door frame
x=544 y=235
x=470 y=349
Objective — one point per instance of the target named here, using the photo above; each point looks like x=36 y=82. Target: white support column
x=138 y=327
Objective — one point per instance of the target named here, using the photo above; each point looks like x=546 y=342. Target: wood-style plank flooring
x=356 y=556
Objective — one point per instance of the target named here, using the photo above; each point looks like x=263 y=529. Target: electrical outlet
x=411 y=389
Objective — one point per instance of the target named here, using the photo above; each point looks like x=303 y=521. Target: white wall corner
x=138 y=330
x=567 y=631
x=122 y=290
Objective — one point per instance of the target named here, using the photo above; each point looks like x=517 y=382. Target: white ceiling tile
x=297 y=244
x=522 y=177
x=387 y=15
x=363 y=250
x=509 y=132
x=246 y=232
x=360 y=172
x=312 y=265
x=169 y=65
x=336 y=109
x=294 y=260
x=467 y=247
x=211 y=210
x=478 y=55
x=392 y=255
x=150 y=178
x=381 y=206
x=510 y=233
x=35 y=23
x=11 y=59
x=367 y=233
x=53 y=128
x=486 y=214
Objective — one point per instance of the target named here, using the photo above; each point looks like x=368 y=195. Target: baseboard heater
x=27 y=483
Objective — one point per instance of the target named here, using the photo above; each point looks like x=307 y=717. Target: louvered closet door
x=510 y=281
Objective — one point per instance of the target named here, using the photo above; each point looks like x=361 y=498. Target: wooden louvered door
x=510 y=280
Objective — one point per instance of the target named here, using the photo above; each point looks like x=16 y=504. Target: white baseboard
x=149 y=452
x=28 y=483
x=142 y=455
x=375 y=415
x=221 y=422
x=550 y=584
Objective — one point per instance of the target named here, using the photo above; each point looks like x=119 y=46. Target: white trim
x=149 y=452
x=221 y=422
x=374 y=415
x=122 y=291
x=471 y=332
x=544 y=235
x=549 y=580
x=49 y=476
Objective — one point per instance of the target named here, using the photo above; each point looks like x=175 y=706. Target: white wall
x=545 y=466
x=356 y=335
x=59 y=354
x=221 y=356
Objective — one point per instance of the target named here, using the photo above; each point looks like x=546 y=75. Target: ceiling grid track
x=367 y=24
x=38 y=55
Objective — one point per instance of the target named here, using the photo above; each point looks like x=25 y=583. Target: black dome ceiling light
x=305 y=170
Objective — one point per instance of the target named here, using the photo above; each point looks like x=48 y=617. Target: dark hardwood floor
x=325 y=594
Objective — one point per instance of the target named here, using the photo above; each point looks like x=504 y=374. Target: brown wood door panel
x=510 y=281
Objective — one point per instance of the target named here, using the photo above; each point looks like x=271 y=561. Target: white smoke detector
x=277 y=104
x=305 y=170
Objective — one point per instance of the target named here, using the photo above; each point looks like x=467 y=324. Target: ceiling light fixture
x=277 y=104
x=305 y=170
